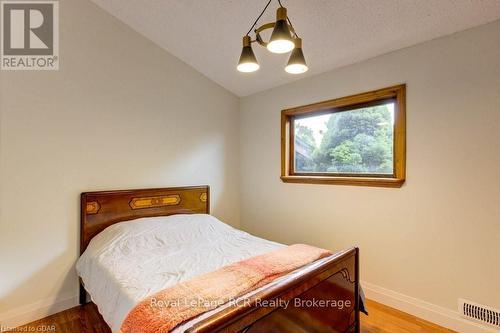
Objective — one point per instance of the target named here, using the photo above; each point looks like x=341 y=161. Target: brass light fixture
x=283 y=39
x=248 y=62
x=297 y=62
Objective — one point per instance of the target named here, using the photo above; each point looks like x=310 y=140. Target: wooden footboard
x=324 y=297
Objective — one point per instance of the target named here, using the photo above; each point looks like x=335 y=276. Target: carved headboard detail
x=99 y=210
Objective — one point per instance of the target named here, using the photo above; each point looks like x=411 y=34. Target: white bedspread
x=132 y=260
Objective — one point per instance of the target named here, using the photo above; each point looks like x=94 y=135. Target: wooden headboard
x=102 y=209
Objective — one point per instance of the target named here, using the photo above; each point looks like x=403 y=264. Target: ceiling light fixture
x=248 y=62
x=283 y=39
x=297 y=63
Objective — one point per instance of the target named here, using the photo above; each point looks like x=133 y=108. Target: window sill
x=354 y=181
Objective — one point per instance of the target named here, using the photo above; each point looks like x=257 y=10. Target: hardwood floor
x=382 y=319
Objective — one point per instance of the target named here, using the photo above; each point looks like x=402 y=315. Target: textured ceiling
x=206 y=34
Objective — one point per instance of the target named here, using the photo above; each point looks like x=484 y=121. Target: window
x=354 y=140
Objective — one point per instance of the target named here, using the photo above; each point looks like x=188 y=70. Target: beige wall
x=120 y=113
x=438 y=237
x=123 y=113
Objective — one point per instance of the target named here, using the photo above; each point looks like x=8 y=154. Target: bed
x=149 y=239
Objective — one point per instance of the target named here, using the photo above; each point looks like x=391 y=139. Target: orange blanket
x=168 y=308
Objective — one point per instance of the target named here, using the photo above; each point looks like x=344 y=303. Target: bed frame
x=323 y=298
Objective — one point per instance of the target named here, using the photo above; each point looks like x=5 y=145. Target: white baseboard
x=34 y=311
x=422 y=309
x=425 y=310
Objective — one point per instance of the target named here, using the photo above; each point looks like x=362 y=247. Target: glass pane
x=358 y=141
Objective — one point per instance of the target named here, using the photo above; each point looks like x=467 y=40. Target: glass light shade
x=281 y=39
x=297 y=63
x=248 y=62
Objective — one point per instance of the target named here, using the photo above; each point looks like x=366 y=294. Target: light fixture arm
x=258 y=18
x=289 y=22
x=262 y=13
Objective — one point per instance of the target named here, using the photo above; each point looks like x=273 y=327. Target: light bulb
x=280 y=46
x=296 y=69
x=248 y=67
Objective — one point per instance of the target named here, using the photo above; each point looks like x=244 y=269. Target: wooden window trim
x=398 y=93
